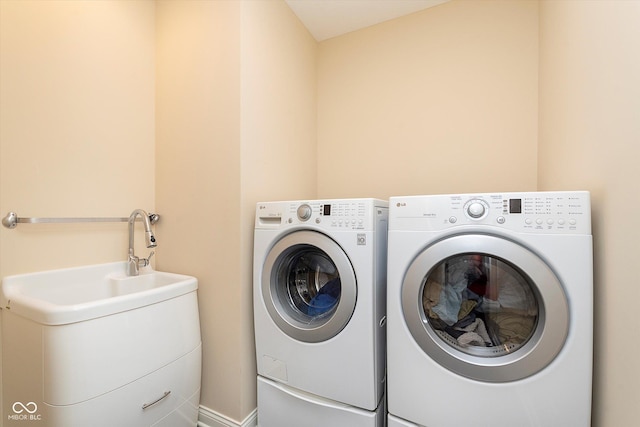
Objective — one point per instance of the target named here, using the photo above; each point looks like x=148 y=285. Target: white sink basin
x=72 y=295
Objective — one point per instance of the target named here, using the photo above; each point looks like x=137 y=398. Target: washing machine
x=319 y=311
x=490 y=310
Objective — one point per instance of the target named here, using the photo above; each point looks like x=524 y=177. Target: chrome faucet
x=133 y=267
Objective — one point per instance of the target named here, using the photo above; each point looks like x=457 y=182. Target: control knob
x=304 y=212
x=476 y=209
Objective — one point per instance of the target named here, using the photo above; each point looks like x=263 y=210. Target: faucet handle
x=146 y=261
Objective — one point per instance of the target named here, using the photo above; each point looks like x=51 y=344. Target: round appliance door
x=485 y=307
x=309 y=286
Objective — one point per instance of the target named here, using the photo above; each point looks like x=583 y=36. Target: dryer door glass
x=480 y=304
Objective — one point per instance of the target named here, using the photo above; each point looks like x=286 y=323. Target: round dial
x=304 y=212
x=476 y=208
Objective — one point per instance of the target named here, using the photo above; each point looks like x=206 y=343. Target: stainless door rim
x=553 y=317
x=311 y=329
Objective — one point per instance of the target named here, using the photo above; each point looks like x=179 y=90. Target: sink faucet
x=133 y=267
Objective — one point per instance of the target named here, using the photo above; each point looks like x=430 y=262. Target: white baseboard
x=210 y=418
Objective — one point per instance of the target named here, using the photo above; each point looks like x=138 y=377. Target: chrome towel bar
x=12 y=220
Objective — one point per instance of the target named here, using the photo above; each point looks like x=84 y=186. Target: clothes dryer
x=319 y=310
x=490 y=310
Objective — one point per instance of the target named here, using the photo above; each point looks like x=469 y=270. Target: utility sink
x=72 y=295
x=91 y=346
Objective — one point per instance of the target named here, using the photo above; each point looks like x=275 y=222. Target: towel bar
x=11 y=220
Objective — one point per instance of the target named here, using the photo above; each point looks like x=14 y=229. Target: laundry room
x=197 y=110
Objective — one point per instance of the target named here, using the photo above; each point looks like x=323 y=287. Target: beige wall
x=440 y=101
x=589 y=134
x=236 y=117
x=76 y=127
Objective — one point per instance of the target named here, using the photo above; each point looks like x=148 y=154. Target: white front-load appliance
x=490 y=310
x=319 y=311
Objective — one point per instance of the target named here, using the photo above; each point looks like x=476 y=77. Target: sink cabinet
x=134 y=368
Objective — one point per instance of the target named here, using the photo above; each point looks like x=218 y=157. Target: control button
x=572 y=221
x=453 y=219
x=549 y=221
x=501 y=220
x=561 y=222
x=304 y=212
x=528 y=221
x=317 y=220
x=539 y=221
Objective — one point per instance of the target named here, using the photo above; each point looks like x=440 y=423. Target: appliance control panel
x=348 y=214
x=538 y=212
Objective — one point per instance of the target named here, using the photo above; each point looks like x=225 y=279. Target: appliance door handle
x=158 y=400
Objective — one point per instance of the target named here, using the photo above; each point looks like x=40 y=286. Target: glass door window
x=310 y=283
x=480 y=304
x=309 y=286
x=485 y=307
